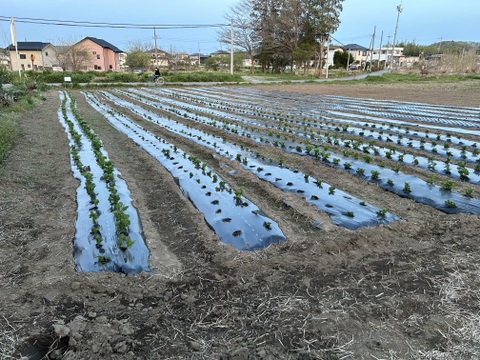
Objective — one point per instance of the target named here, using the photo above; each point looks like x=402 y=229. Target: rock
x=102 y=319
x=72 y=343
x=61 y=330
x=126 y=329
x=56 y=354
x=261 y=353
x=195 y=346
x=121 y=347
x=75 y=285
x=92 y=314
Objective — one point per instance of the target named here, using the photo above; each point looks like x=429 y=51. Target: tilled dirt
x=403 y=291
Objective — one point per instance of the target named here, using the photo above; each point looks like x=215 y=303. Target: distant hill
x=444 y=47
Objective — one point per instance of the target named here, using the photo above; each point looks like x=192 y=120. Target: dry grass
x=455 y=64
x=8 y=339
x=459 y=296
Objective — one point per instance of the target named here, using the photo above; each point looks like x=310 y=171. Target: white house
x=33 y=56
x=384 y=55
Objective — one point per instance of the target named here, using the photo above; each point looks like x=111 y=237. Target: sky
x=422 y=21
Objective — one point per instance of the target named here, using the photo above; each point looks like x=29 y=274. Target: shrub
x=450 y=204
x=8 y=132
x=202 y=77
x=120 y=77
x=447 y=184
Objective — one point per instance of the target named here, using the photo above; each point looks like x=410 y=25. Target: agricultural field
x=307 y=221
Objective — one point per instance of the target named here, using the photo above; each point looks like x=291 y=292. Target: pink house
x=102 y=56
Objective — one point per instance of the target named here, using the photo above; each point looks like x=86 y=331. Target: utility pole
x=380 y=51
x=399 y=10
x=439 y=44
x=387 y=60
x=348 y=59
x=372 y=47
x=231 y=46
x=199 y=55
x=155 y=46
x=328 y=52
x=14 y=42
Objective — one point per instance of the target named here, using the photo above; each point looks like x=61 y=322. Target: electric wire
x=73 y=23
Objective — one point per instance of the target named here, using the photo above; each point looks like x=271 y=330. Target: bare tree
x=81 y=56
x=244 y=35
x=283 y=32
x=265 y=21
x=72 y=55
x=291 y=29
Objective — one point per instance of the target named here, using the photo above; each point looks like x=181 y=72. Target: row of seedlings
x=108 y=231
x=304 y=128
x=344 y=209
x=448 y=202
x=439 y=196
x=235 y=219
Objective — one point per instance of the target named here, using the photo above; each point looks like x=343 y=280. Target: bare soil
x=408 y=290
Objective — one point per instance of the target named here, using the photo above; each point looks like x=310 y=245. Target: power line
x=72 y=23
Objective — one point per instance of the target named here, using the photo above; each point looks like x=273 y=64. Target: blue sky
x=422 y=21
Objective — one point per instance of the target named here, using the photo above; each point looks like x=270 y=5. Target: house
x=384 y=55
x=332 y=49
x=159 y=57
x=96 y=54
x=359 y=53
x=197 y=59
x=32 y=55
x=180 y=60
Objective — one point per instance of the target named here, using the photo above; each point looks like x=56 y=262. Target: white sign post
x=14 y=42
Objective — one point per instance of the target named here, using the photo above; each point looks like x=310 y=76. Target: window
x=98 y=56
x=46 y=53
x=23 y=56
x=111 y=67
x=94 y=52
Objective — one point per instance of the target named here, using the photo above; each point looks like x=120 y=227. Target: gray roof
x=355 y=47
x=104 y=44
x=28 y=45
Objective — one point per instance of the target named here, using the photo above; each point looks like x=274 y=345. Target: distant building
x=198 y=58
x=358 y=52
x=159 y=57
x=384 y=55
x=332 y=49
x=97 y=54
x=32 y=56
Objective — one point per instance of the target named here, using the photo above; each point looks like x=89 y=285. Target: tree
x=341 y=59
x=323 y=19
x=264 y=20
x=80 y=56
x=71 y=54
x=284 y=31
x=302 y=55
x=215 y=62
x=244 y=36
x=138 y=57
x=291 y=30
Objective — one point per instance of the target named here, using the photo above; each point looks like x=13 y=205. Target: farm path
x=393 y=291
